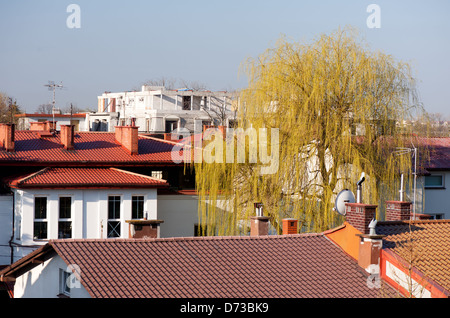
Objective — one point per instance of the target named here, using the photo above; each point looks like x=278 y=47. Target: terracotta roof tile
x=85 y=178
x=89 y=148
x=271 y=266
x=427 y=242
x=438 y=152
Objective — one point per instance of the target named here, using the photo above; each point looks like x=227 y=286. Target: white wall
x=24 y=123
x=89 y=213
x=179 y=213
x=43 y=281
x=6 y=212
x=437 y=201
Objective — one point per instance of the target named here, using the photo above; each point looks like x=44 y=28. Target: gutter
x=12 y=232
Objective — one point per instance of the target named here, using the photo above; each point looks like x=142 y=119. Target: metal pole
x=54 y=101
x=401 y=188
x=415 y=177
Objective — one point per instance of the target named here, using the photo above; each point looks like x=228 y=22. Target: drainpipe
x=12 y=235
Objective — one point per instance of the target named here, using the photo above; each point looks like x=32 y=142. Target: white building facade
x=87 y=214
x=158 y=110
x=80 y=121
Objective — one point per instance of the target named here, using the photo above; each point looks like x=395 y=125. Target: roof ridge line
x=413 y=221
x=187 y=238
x=138 y=174
x=162 y=140
x=34 y=174
x=175 y=143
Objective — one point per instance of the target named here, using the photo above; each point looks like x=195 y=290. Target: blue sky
x=121 y=44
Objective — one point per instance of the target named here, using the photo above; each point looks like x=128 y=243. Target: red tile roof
x=85 y=178
x=438 y=152
x=83 y=115
x=428 y=244
x=91 y=148
x=276 y=266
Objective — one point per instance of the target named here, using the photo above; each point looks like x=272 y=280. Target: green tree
x=336 y=105
x=8 y=109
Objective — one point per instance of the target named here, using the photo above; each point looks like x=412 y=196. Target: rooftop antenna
x=52 y=87
x=71 y=113
x=402 y=151
x=402 y=191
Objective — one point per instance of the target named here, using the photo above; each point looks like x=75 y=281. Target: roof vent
x=359 y=188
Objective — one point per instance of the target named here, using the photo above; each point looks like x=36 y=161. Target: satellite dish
x=345 y=196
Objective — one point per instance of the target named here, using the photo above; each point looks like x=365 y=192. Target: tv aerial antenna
x=52 y=86
x=413 y=150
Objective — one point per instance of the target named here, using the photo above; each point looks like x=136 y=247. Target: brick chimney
x=7 y=137
x=398 y=211
x=127 y=136
x=67 y=136
x=43 y=126
x=289 y=226
x=259 y=224
x=38 y=126
x=144 y=228
x=359 y=215
x=370 y=246
x=50 y=125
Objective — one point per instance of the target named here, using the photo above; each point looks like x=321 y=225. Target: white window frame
x=144 y=212
x=441 y=186
x=71 y=212
x=119 y=220
x=45 y=220
x=64 y=289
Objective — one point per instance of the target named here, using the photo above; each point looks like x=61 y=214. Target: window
x=64 y=287
x=157 y=174
x=232 y=123
x=40 y=218
x=65 y=214
x=114 y=216
x=137 y=207
x=206 y=123
x=434 y=181
x=171 y=126
x=186 y=102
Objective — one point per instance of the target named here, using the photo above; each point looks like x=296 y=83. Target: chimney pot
x=289 y=226
x=398 y=211
x=259 y=225
x=128 y=137
x=7 y=137
x=50 y=125
x=370 y=251
x=67 y=136
x=38 y=126
x=144 y=228
x=258 y=208
x=360 y=215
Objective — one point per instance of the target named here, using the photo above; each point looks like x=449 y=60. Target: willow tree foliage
x=335 y=105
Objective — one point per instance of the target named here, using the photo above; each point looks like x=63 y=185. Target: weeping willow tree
x=334 y=105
